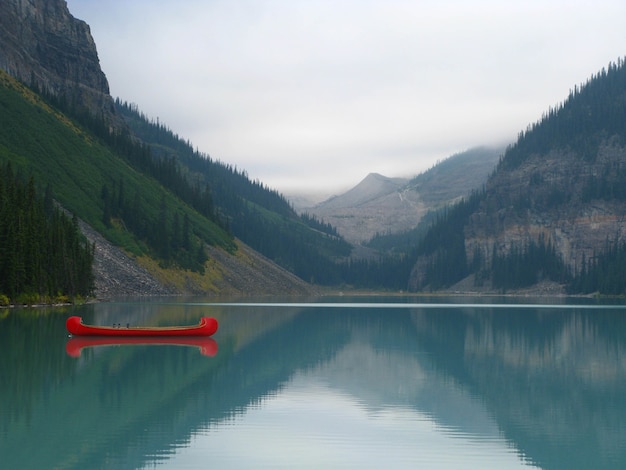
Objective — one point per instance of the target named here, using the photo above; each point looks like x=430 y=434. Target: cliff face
x=574 y=203
x=41 y=42
x=550 y=195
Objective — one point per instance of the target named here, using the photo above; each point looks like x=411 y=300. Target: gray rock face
x=376 y=205
x=545 y=196
x=42 y=43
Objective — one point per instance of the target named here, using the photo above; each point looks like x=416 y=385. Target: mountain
x=382 y=205
x=43 y=44
x=554 y=209
x=155 y=228
x=376 y=204
x=373 y=187
x=59 y=154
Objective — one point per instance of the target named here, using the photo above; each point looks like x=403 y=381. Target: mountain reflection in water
x=456 y=386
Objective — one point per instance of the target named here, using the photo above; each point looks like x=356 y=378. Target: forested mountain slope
x=254 y=213
x=137 y=219
x=83 y=175
x=555 y=208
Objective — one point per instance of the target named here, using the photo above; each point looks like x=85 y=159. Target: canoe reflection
x=75 y=345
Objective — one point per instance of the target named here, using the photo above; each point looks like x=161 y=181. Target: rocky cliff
x=551 y=195
x=42 y=43
x=571 y=201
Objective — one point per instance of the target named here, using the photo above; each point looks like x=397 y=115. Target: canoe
x=206 y=327
x=75 y=345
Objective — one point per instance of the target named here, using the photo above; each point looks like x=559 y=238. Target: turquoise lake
x=341 y=383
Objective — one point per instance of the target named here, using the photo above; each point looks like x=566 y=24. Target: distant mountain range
x=382 y=205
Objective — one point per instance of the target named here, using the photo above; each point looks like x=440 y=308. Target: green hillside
x=83 y=172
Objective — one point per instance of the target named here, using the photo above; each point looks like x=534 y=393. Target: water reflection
x=554 y=381
x=74 y=346
x=303 y=387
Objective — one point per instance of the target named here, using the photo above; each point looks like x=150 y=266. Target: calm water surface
x=344 y=383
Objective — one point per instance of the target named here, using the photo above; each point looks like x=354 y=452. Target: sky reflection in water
x=310 y=425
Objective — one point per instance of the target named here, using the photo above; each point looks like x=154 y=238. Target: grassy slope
x=44 y=143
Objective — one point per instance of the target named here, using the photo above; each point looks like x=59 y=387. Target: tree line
x=591 y=112
x=163 y=168
x=44 y=256
x=603 y=272
x=229 y=185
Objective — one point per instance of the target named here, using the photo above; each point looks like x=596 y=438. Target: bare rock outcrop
x=116 y=274
x=551 y=196
x=43 y=44
x=243 y=273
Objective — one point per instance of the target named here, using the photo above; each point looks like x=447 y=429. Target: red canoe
x=206 y=327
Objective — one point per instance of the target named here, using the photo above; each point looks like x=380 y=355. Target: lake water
x=342 y=383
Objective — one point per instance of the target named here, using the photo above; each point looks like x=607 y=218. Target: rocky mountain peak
x=42 y=43
x=378 y=204
x=372 y=187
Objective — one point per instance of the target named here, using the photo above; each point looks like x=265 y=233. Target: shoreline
x=525 y=294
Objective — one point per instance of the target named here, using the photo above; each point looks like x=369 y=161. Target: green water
x=345 y=383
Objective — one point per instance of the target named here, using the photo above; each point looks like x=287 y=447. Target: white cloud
x=322 y=93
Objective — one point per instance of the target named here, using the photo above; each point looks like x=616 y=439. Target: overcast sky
x=307 y=94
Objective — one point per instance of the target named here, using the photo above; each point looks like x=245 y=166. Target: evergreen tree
x=43 y=252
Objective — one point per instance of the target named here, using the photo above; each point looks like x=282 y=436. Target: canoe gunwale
x=206 y=327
